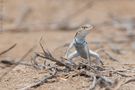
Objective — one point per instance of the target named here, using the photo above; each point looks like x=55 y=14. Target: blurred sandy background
x=25 y=21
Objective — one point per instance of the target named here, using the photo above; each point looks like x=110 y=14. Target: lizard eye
x=84 y=27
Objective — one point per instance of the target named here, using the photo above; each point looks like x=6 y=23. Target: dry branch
x=101 y=81
x=120 y=84
x=23 y=57
x=5 y=51
x=47 y=55
x=129 y=80
x=92 y=87
x=7 y=62
x=82 y=69
x=41 y=82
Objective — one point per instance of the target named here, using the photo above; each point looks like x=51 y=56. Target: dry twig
x=47 y=55
x=102 y=81
x=42 y=81
x=5 y=51
x=7 y=62
x=129 y=80
x=83 y=70
x=24 y=56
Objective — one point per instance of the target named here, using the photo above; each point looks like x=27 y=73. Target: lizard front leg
x=88 y=55
x=68 y=50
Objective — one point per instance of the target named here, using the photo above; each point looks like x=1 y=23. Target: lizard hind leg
x=71 y=56
x=97 y=56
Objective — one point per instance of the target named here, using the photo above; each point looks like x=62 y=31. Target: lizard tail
x=104 y=51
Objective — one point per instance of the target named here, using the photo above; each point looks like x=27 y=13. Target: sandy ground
x=22 y=75
x=108 y=37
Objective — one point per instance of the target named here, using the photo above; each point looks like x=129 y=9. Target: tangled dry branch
x=82 y=69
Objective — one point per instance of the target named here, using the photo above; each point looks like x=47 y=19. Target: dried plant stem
x=5 y=51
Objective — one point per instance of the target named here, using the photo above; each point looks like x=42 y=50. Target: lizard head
x=84 y=30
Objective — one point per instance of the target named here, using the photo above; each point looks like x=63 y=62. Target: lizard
x=81 y=46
